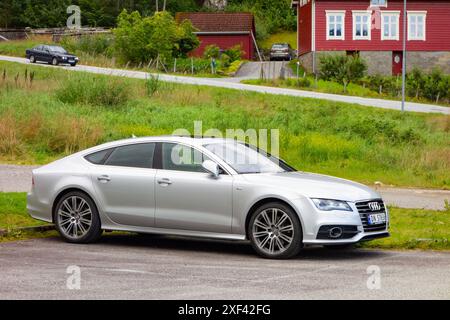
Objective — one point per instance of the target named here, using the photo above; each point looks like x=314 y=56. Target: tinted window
x=136 y=155
x=182 y=158
x=98 y=157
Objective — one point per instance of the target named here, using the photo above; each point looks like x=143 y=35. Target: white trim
x=424 y=32
x=362 y=13
x=390 y=14
x=336 y=13
x=313 y=25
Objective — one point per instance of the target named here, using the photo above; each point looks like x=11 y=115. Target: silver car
x=203 y=187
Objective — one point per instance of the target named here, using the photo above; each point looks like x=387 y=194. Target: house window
x=361 y=25
x=389 y=25
x=378 y=3
x=335 y=25
x=417 y=25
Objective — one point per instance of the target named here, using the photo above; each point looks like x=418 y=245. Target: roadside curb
x=44 y=228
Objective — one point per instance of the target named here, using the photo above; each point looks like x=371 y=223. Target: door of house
x=397 y=62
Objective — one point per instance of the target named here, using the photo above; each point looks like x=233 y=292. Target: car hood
x=315 y=185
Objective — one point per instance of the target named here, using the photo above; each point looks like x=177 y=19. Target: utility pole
x=404 y=56
x=157 y=6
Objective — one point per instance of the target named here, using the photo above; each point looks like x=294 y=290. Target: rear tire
x=32 y=59
x=76 y=218
x=275 y=231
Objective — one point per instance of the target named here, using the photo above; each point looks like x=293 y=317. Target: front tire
x=55 y=62
x=76 y=218
x=275 y=231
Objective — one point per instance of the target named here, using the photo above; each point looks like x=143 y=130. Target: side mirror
x=211 y=167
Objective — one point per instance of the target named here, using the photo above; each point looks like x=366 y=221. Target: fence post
x=175 y=65
x=192 y=65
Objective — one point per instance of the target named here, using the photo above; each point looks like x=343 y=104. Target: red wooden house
x=222 y=29
x=374 y=30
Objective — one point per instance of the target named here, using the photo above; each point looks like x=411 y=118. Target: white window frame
x=335 y=13
x=416 y=14
x=390 y=14
x=378 y=5
x=362 y=13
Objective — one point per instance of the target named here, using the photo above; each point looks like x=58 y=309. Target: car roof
x=195 y=141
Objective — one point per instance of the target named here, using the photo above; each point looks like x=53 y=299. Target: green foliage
x=211 y=51
x=152 y=85
x=342 y=68
x=234 y=53
x=91 y=44
x=52 y=13
x=436 y=86
x=88 y=89
x=270 y=15
x=140 y=39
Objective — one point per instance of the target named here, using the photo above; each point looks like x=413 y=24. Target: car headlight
x=329 y=205
x=64 y=58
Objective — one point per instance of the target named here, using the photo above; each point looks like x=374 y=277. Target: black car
x=51 y=54
x=282 y=51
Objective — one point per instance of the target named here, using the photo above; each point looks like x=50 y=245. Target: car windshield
x=279 y=46
x=57 y=49
x=247 y=159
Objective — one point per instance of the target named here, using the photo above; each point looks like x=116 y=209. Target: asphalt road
x=137 y=267
x=369 y=102
x=15 y=178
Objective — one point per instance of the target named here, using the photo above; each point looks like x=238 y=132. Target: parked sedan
x=203 y=187
x=282 y=51
x=51 y=54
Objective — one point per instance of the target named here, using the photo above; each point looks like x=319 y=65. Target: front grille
x=364 y=211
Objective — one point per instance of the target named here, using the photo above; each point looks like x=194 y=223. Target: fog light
x=335 y=232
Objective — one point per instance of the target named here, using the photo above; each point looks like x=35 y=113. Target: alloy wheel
x=273 y=231
x=74 y=217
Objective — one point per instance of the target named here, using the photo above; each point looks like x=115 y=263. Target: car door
x=125 y=184
x=189 y=198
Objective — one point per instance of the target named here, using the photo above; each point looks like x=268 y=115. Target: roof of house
x=218 y=21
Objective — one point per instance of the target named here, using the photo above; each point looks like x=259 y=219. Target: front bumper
x=314 y=221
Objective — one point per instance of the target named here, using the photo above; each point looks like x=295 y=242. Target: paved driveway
x=136 y=267
x=370 y=102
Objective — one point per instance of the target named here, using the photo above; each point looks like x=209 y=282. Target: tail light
x=32 y=180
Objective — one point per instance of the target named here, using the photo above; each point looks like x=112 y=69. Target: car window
x=135 y=155
x=182 y=158
x=98 y=157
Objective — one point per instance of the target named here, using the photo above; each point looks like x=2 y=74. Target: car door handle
x=104 y=178
x=164 y=182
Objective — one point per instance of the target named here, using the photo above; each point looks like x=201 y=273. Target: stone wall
x=427 y=60
x=380 y=62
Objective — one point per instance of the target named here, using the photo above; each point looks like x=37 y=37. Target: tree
x=140 y=39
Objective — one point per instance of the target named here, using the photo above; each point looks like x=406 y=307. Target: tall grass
x=97 y=91
x=349 y=141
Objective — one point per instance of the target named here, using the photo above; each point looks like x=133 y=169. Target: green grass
x=416 y=229
x=45 y=121
x=410 y=228
x=332 y=87
x=281 y=37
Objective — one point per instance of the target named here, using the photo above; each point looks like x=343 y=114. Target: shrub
x=235 y=53
x=140 y=39
x=91 y=44
x=415 y=82
x=88 y=89
x=211 y=51
x=436 y=86
x=152 y=85
x=342 y=68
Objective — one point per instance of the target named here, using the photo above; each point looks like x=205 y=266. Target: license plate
x=377 y=218
x=71 y=61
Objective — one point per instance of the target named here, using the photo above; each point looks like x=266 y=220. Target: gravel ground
x=136 y=267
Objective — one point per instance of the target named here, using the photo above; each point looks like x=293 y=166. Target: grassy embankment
x=61 y=112
x=410 y=229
